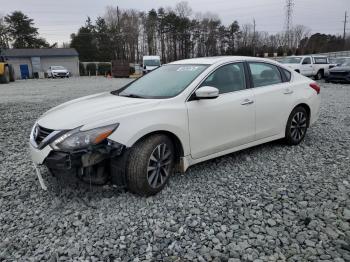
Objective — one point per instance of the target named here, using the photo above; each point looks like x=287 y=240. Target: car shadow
x=66 y=189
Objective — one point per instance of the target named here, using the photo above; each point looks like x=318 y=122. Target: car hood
x=340 y=69
x=93 y=111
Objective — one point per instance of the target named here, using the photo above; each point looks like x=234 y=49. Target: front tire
x=150 y=164
x=296 y=126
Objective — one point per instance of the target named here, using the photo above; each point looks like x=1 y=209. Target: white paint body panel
x=205 y=128
x=218 y=124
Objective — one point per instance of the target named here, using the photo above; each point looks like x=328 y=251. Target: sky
x=57 y=20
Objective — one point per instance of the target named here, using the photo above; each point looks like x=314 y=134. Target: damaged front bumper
x=81 y=160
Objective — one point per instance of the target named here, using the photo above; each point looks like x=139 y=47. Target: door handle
x=288 y=92
x=247 y=102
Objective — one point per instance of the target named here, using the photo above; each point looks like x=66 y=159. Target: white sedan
x=181 y=114
x=57 y=71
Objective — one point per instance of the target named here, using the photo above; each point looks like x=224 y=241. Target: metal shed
x=28 y=61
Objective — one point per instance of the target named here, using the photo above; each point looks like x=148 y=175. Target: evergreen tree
x=22 y=32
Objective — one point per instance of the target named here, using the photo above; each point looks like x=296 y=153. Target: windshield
x=291 y=60
x=151 y=62
x=165 y=82
x=57 y=67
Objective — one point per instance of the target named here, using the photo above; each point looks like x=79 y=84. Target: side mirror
x=207 y=92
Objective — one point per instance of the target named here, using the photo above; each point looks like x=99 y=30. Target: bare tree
x=182 y=9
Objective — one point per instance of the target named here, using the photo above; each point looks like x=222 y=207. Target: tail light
x=315 y=87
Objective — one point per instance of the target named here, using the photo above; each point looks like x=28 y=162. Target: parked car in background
x=341 y=72
x=150 y=63
x=312 y=66
x=139 y=135
x=57 y=71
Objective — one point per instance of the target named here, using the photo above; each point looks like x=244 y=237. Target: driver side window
x=307 y=61
x=228 y=78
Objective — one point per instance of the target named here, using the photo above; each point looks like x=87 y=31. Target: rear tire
x=297 y=125
x=150 y=164
x=319 y=75
x=5 y=78
x=12 y=73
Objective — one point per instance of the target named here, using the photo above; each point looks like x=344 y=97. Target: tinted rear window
x=320 y=60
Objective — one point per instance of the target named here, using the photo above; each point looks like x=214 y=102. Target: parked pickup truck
x=316 y=66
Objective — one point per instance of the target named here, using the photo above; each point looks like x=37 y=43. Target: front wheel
x=296 y=126
x=150 y=164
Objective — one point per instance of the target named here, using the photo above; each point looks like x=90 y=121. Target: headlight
x=76 y=139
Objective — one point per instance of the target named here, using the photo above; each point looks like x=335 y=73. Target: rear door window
x=320 y=60
x=264 y=74
x=287 y=74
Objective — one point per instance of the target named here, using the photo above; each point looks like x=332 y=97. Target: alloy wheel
x=298 y=126
x=159 y=165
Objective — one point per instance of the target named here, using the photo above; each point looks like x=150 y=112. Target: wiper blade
x=132 y=95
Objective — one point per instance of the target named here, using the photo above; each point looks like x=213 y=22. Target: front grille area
x=61 y=74
x=41 y=133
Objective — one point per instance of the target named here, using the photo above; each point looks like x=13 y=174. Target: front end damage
x=95 y=164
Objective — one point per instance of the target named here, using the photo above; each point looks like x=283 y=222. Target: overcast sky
x=56 y=20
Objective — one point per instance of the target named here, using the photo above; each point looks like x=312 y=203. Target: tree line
x=176 y=33
x=172 y=33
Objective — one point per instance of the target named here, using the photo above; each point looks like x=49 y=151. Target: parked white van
x=150 y=63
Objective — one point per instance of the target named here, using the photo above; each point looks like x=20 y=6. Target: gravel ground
x=268 y=203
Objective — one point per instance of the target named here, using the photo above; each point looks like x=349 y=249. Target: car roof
x=151 y=57
x=219 y=59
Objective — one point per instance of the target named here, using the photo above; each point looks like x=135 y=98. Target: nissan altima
x=180 y=114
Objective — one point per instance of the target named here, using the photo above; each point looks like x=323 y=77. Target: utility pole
x=254 y=25
x=345 y=22
x=289 y=14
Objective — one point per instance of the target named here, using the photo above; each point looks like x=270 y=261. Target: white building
x=29 y=61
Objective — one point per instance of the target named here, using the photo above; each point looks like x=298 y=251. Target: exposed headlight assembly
x=76 y=139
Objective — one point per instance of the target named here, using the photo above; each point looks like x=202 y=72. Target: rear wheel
x=296 y=126
x=12 y=73
x=5 y=78
x=150 y=164
x=319 y=75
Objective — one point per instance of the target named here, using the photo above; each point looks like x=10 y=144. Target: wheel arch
x=179 y=149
